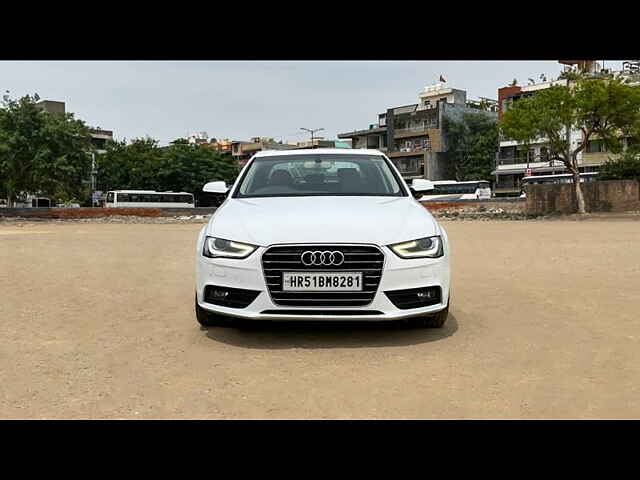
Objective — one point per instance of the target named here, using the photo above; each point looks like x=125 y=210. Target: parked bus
x=33 y=201
x=555 y=180
x=452 y=190
x=148 y=199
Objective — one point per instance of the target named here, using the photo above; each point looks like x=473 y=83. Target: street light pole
x=93 y=178
x=312 y=132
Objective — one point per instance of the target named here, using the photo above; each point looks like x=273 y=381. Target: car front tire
x=208 y=319
x=433 y=321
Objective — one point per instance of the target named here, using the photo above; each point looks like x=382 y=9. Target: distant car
x=326 y=234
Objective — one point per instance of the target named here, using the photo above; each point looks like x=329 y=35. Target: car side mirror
x=215 y=187
x=421 y=185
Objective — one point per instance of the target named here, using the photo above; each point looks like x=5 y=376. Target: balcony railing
x=514 y=160
x=531 y=160
x=412 y=149
x=417 y=128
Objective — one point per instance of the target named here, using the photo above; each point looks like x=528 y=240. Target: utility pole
x=312 y=132
x=93 y=178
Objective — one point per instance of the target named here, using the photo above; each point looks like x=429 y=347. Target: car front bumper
x=397 y=274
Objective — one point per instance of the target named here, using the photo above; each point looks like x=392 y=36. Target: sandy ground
x=96 y=321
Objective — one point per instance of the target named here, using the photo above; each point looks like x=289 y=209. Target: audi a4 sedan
x=327 y=234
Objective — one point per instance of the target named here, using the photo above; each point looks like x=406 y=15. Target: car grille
x=357 y=258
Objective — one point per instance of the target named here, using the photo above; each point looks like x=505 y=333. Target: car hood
x=269 y=221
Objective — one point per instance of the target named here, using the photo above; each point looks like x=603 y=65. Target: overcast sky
x=238 y=100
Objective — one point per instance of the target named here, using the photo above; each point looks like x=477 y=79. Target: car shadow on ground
x=330 y=334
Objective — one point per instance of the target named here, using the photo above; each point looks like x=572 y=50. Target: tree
x=129 y=166
x=187 y=167
x=41 y=152
x=625 y=168
x=606 y=108
x=471 y=144
x=142 y=165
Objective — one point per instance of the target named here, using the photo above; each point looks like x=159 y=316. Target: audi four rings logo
x=322 y=258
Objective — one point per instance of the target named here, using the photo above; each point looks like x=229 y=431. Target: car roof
x=318 y=151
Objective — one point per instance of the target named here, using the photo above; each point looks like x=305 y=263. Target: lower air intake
x=415 y=297
x=229 y=297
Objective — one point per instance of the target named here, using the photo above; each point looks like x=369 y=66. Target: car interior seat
x=281 y=177
x=350 y=180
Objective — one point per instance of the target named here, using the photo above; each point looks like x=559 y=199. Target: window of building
x=595 y=146
x=508 y=152
x=544 y=154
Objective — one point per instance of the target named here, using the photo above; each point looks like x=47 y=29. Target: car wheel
x=208 y=319
x=433 y=321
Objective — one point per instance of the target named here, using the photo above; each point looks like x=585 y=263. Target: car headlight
x=221 y=248
x=428 y=247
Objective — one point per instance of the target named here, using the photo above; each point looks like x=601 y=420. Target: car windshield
x=319 y=175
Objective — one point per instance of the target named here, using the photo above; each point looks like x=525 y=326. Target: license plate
x=321 y=281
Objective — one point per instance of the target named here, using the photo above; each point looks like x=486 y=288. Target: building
x=51 y=106
x=222 y=146
x=242 y=151
x=200 y=138
x=513 y=162
x=320 y=142
x=99 y=137
x=413 y=137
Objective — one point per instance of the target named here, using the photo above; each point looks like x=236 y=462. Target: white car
x=326 y=234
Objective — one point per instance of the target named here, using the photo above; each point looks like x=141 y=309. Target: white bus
x=148 y=199
x=556 y=179
x=33 y=201
x=452 y=190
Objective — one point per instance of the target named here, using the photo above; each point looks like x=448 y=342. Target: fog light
x=426 y=294
x=219 y=293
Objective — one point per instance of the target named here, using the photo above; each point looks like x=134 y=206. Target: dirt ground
x=96 y=321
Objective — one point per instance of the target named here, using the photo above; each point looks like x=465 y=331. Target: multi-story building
x=513 y=161
x=99 y=137
x=223 y=146
x=322 y=143
x=242 y=151
x=413 y=136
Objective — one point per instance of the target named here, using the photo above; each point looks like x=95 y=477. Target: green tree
x=606 y=108
x=42 y=152
x=187 y=167
x=142 y=165
x=626 y=167
x=471 y=145
x=129 y=166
